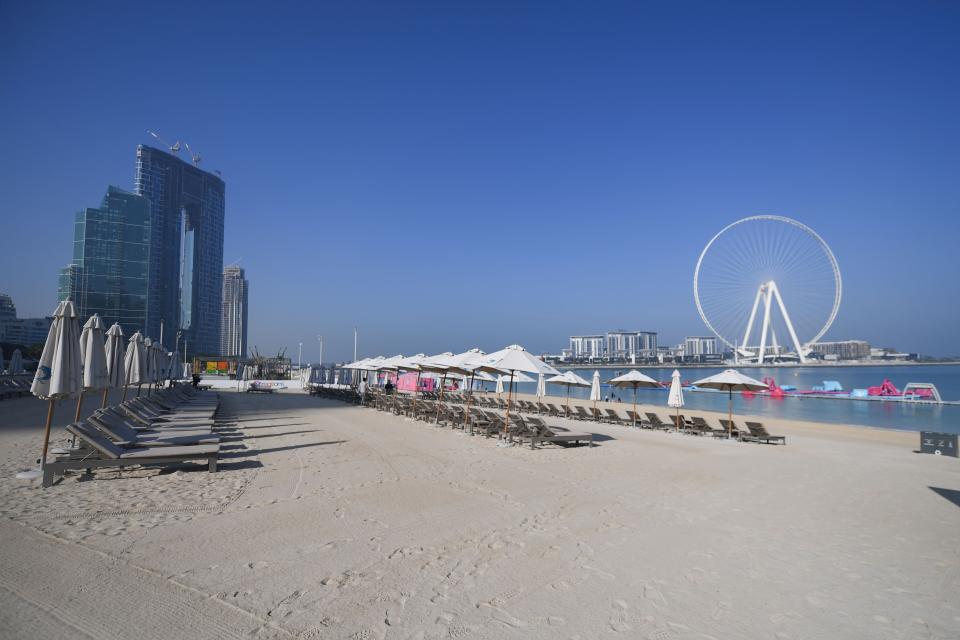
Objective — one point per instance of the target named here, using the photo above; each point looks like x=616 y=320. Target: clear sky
x=448 y=175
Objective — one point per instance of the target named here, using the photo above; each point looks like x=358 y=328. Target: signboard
x=211 y=366
x=940 y=444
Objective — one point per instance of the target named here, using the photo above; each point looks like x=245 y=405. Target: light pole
x=176 y=347
x=320 y=339
x=354 y=344
x=300 y=356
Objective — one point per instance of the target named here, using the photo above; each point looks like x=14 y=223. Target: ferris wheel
x=770 y=271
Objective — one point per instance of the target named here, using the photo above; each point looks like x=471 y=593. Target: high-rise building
x=8 y=310
x=233 y=327
x=109 y=271
x=24 y=332
x=187 y=207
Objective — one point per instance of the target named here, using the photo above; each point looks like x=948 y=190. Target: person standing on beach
x=388 y=387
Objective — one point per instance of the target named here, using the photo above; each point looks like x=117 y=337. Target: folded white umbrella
x=635 y=379
x=134 y=363
x=59 y=374
x=675 y=399
x=114 y=348
x=595 y=390
x=93 y=356
x=730 y=380
x=541 y=387
x=1 y=361
x=15 y=368
x=500 y=385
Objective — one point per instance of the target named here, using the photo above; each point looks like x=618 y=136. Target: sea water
x=889 y=415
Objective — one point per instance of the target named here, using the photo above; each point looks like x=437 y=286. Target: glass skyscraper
x=233 y=330
x=187 y=207
x=110 y=267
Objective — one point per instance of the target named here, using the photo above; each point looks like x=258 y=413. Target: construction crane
x=193 y=156
x=173 y=147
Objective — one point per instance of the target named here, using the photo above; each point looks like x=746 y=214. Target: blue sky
x=449 y=175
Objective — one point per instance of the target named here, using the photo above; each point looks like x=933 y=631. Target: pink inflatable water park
x=914 y=391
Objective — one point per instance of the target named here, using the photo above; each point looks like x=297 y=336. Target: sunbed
x=126 y=436
x=536 y=430
x=104 y=453
x=731 y=428
x=614 y=417
x=699 y=424
x=759 y=433
x=581 y=413
x=657 y=423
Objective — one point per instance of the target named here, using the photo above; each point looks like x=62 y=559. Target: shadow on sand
x=255 y=452
x=950 y=494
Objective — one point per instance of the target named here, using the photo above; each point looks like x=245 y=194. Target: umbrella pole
x=506 y=421
x=76 y=417
x=138 y=390
x=568 y=401
x=416 y=392
x=443 y=381
x=106 y=394
x=730 y=414
x=634 y=404
x=396 y=391
x=466 y=414
x=46 y=434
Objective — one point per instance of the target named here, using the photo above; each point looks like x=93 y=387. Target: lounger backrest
x=90 y=435
x=113 y=427
x=757 y=429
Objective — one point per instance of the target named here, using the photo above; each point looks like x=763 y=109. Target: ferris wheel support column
x=786 y=319
x=767 y=299
x=753 y=317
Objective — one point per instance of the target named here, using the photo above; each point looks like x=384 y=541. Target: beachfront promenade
x=328 y=520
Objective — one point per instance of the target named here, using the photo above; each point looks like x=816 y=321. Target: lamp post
x=299 y=356
x=320 y=340
x=176 y=347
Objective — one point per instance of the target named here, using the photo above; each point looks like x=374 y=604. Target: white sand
x=332 y=521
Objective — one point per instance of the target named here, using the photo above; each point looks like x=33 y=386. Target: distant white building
x=587 y=347
x=700 y=346
x=630 y=345
x=842 y=349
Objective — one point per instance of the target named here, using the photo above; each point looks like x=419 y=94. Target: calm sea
x=890 y=415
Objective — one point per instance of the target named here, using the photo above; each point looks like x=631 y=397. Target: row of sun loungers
x=452 y=412
x=14 y=386
x=170 y=427
x=486 y=405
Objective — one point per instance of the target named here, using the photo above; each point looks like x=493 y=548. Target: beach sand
x=335 y=521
